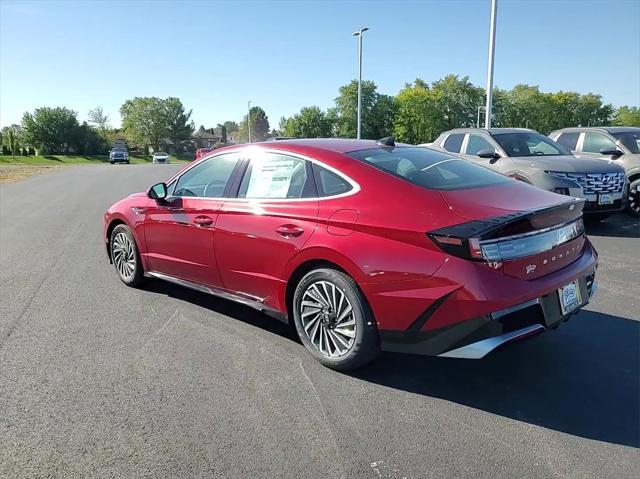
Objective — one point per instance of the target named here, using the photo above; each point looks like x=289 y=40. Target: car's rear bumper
x=475 y=338
x=470 y=327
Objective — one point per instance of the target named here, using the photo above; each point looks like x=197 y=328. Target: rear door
x=273 y=216
x=179 y=230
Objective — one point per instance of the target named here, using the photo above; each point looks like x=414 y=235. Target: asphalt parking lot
x=101 y=380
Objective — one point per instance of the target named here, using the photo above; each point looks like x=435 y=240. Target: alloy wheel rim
x=124 y=256
x=328 y=319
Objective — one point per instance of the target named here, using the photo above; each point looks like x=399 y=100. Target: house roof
x=204 y=135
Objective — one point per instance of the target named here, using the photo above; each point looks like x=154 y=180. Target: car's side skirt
x=254 y=303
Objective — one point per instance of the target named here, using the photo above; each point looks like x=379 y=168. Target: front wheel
x=633 y=206
x=125 y=256
x=334 y=320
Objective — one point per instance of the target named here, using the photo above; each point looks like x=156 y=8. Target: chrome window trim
x=552 y=244
x=244 y=155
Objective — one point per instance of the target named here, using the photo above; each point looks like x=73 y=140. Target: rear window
x=429 y=168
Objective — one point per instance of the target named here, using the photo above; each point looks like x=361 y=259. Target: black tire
x=364 y=347
x=136 y=278
x=633 y=205
x=112 y=162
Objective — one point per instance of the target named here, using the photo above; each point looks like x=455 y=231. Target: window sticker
x=270 y=177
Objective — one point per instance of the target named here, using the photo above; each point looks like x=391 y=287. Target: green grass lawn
x=84 y=159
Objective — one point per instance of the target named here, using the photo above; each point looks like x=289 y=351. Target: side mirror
x=488 y=153
x=611 y=150
x=158 y=191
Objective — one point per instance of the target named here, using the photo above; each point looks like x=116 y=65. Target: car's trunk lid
x=514 y=227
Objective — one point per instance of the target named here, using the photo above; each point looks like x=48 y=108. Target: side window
x=330 y=184
x=477 y=143
x=594 y=142
x=276 y=176
x=208 y=179
x=453 y=143
x=568 y=140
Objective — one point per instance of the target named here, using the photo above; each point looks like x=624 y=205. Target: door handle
x=289 y=231
x=203 y=221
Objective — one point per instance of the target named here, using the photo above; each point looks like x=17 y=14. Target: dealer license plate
x=605 y=199
x=570 y=297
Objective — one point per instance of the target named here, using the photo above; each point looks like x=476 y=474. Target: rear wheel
x=633 y=206
x=334 y=320
x=125 y=256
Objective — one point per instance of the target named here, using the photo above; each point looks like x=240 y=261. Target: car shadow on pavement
x=622 y=225
x=581 y=379
x=221 y=306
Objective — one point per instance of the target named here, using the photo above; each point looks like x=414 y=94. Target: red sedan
x=364 y=245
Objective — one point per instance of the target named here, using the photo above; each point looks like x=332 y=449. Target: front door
x=260 y=231
x=180 y=230
x=476 y=143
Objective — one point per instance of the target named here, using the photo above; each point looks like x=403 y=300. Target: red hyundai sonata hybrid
x=364 y=245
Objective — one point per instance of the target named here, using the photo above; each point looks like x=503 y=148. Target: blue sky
x=215 y=56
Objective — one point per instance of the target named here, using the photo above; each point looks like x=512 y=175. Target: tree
x=418 y=118
x=177 y=120
x=100 y=119
x=50 y=130
x=259 y=126
x=223 y=134
x=11 y=138
x=627 y=116
x=87 y=140
x=377 y=111
x=457 y=99
x=525 y=106
x=144 y=120
x=310 y=122
x=231 y=126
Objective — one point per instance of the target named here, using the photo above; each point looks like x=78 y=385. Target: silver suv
x=533 y=158
x=620 y=144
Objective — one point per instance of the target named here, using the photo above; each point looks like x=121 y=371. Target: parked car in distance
x=160 y=157
x=620 y=144
x=462 y=260
x=200 y=152
x=534 y=158
x=118 y=155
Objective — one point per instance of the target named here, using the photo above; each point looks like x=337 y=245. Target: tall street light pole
x=249 y=119
x=359 y=34
x=492 y=49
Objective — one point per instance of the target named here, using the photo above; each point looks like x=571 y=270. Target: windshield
x=529 y=144
x=161 y=153
x=429 y=168
x=630 y=139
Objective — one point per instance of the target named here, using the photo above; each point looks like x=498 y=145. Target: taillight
x=467 y=248
x=508 y=247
